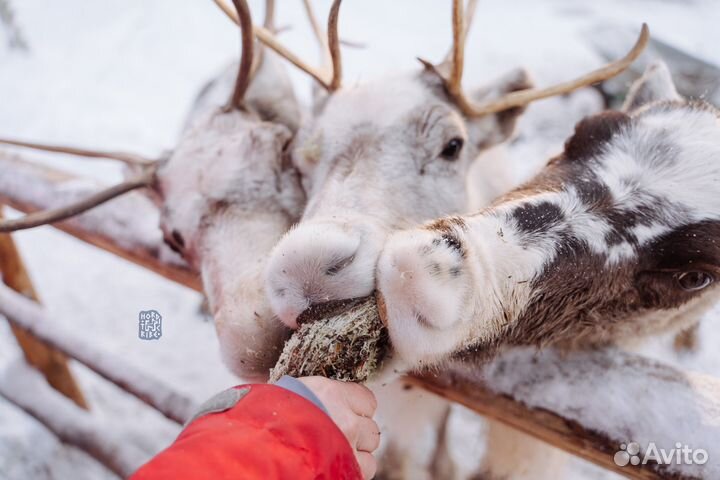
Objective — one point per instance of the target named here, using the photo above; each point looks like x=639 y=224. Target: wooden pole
x=50 y=362
x=126 y=227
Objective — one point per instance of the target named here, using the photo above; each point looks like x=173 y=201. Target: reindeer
x=614 y=241
x=226 y=195
x=382 y=156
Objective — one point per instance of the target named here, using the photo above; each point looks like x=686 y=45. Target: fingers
x=368 y=464
x=360 y=399
x=368 y=436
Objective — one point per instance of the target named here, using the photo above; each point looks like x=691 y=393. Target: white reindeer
x=226 y=194
x=615 y=240
x=381 y=156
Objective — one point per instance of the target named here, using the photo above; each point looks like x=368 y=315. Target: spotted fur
x=591 y=251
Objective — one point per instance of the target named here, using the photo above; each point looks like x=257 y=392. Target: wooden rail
x=126 y=227
x=590 y=403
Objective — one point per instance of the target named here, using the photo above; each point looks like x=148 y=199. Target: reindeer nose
x=289 y=316
x=317 y=263
x=313 y=289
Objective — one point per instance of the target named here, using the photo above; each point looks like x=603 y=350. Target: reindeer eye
x=451 y=150
x=694 y=281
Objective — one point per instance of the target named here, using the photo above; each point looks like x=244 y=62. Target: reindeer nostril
x=337 y=266
x=172 y=242
x=179 y=240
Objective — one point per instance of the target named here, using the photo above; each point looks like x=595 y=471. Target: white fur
x=227 y=193
x=370 y=163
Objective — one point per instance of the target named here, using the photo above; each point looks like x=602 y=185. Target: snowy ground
x=121 y=74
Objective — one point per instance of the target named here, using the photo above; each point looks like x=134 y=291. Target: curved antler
x=246 y=57
x=453 y=78
x=125 y=157
x=334 y=45
x=32 y=220
x=330 y=82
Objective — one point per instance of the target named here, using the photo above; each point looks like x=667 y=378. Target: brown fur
x=579 y=299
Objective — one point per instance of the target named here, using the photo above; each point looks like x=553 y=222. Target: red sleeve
x=271 y=433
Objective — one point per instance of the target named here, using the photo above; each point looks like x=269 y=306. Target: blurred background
x=123 y=74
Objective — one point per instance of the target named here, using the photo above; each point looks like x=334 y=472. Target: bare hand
x=351 y=406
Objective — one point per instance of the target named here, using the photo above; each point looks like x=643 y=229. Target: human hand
x=351 y=406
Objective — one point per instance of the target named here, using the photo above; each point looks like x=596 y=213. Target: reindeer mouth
x=332 y=308
x=341 y=339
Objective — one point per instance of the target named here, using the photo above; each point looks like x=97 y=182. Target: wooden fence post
x=50 y=362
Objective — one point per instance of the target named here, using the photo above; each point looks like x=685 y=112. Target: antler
x=320 y=35
x=269 y=22
x=330 y=82
x=246 y=58
x=127 y=158
x=453 y=79
x=51 y=216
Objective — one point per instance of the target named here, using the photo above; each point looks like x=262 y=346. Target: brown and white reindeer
x=617 y=239
x=226 y=195
x=385 y=155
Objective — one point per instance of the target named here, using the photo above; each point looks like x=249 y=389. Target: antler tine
x=469 y=15
x=269 y=22
x=334 y=45
x=55 y=215
x=127 y=158
x=524 y=97
x=246 y=58
x=320 y=35
x=457 y=58
x=269 y=40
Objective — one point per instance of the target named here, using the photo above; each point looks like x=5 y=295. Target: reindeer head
x=615 y=239
x=382 y=156
x=226 y=195
x=231 y=163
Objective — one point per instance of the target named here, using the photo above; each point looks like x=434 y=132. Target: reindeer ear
x=271 y=93
x=655 y=84
x=592 y=133
x=492 y=129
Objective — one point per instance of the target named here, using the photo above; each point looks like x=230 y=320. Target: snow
x=27 y=388
x=34 y=185
x=121 y=75
x=627 y=399
x=29 y=316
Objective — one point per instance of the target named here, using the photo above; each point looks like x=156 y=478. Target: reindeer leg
x=514 y=455
x=410 y=419
x=442 y=465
